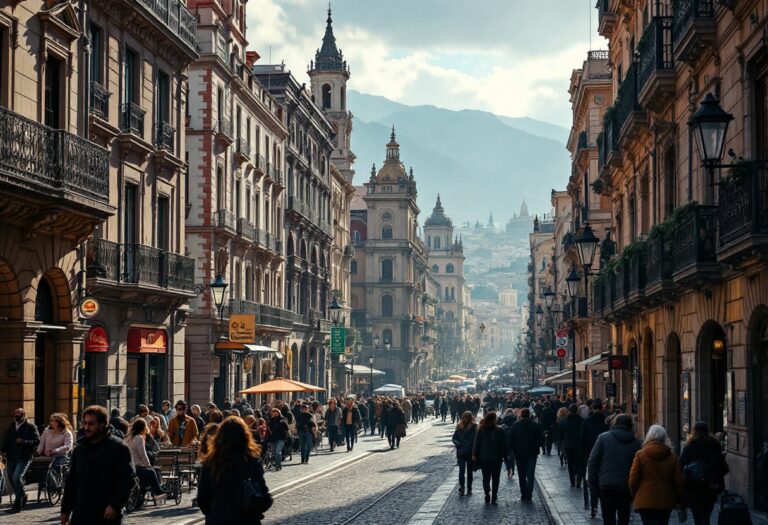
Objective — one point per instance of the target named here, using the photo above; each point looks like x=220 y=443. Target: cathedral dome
x=438 y=217
x=392 y=170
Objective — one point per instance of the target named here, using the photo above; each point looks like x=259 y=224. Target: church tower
x=328 y=75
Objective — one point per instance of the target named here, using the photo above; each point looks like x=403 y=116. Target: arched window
x=386 y=217
x=449 y=268
x=386 y=232
x=387 y=307
x=435 y=268
x=386 y=336
x=326 y=96
x=386 y=270
x=353 y=268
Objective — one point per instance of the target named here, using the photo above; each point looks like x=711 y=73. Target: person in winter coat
x=489 y=451
x=527 y=438
x=562 y=413
x=278 y=434
x=233 y=458
x=608 y=469
x=547 y=420
x=350 y=418
x=464 y=440
x=507 y=422
x=19 y=442
x=593 y=426
x=443 y=408
x=332 y=423
x=569 y=430
x=656 y=478
x=396 y=424
x=100 y=475
x=703 y=455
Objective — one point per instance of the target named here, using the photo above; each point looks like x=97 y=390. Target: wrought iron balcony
x=295 y=205
x=245 y=229
x=141 y=265
x=575 y=310
x=261 y=164
x=636 y=274
x=658 y=267
x=99 y=101
x=610 y=153
x=132 y=120
x=743 y=215
x=225 y=220
x=266 y=315
x=656 y=76
x=630 y=116
x=694 y=258
x=598 y=297
x=621 y=284
x=242 y=150
x=51 y=162
x=164 y=134
x=224 y=131
x=693 y=28
x=606 y=18
x=175 y=17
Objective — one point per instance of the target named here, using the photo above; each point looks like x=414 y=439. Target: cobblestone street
x=415 y=484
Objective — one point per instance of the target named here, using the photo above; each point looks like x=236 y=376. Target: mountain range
x=479 y=162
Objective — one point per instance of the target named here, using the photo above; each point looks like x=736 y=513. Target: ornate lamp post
x=218 y=290
x=370 y=366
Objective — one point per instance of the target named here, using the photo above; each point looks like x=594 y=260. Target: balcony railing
x=242 y=148
x=99 y=100
x=658 y=269
x=32 y=154
x=266 y=315
x=693 y=20
x=609 y=141
x=579 y=307
x=637 y=274
x=598 y=297
x=655 y=50
x=622 y=275
x=176 y=17
x=224 y=128
x=225 y=219
x=743 y=214
x=139 y=264
x=627 y=102
x=164 y=134
x=132 y=119
x=694 y=240
x=245 y=229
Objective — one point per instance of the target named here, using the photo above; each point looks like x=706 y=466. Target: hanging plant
x=597 y=186
x=738 y=172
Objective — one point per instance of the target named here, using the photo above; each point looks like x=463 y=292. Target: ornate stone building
x=234 y=228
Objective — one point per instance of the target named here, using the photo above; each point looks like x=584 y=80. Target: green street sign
x=338 y=339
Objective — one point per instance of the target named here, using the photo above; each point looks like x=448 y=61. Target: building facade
x=538 y=336
x=234 y=227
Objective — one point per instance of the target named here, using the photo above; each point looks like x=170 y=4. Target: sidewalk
x=565 y=505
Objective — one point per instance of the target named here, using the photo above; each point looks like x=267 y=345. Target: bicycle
x=54 y=482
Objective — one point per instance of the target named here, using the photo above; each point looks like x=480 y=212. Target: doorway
x=45 y=354
x=712 y=376
x=673 y=395
x=145 y=380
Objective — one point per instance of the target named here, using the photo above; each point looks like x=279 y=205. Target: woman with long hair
x=489 y=450
x=233 y=457
x=156 y=432
x=562 y=413
x=656 y=479
x=137 y=443
x=704 y=468
x=464 y=439
x=56 y=441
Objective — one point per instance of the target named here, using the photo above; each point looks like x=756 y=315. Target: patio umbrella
x=457 y=377
x=280 y=385
x=541 y=390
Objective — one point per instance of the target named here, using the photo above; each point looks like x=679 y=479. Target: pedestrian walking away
x=656 y=478
x=704 y=468
x=464 y=440
x=569 y=430
x=21 y=438
x=592 y=427
x=527 y=438
x=100 y=474
x=489 y=451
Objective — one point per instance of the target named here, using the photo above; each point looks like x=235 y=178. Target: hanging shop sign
x=98 y=340
x=147 y=341
x=89 y=307
x=242 y=328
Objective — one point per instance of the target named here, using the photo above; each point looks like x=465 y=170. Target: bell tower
x=328 y=74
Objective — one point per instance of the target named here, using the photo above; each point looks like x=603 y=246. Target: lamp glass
x=335 y=309
x=572 y=281
x=370 y=360
x=549 y=297
x=218 y=290
x=586 y=245
x=376 y=340
x=709 y=126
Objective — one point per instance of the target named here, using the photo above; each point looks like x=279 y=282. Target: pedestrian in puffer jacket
x=593 y=426
x=701 y=494
x=489 y=450
x=464 y=439
x=609 y=464
x=569 y=431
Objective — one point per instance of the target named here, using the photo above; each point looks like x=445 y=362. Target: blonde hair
x=63 y=420
x=562 y=413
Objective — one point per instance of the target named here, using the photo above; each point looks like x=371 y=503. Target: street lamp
x=370 y=365
x=709 y=126
x=586 y=245
x=539 y=314
x=573 y=292
x=549 y=297
x=335 y=309
x=218 y=290
x=376 y=342
x=387 y=345
x=572 y=282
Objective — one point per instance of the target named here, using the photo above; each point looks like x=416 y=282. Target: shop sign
x=98 y=340
x=89 y=307
x=147 y=341
x=618 y=362
x=338 y=339
x=610 y=390
x=242 y=328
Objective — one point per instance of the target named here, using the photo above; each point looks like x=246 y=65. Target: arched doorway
x=758 y=350
x=648 y=379
x=635 y=385
x=673 y=395
x=711 y=381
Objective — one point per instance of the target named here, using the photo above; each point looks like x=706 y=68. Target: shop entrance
x=146 y=368
x=45 y=354
x=713 y=376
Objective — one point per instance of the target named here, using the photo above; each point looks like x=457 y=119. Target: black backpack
x=733 y=510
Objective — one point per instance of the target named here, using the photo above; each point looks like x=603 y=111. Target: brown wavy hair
x=232 y=446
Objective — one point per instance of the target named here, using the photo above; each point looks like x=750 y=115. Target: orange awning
x=280 y=385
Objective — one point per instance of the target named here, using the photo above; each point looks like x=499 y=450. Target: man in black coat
x=100 y=475
x=20 y=441
x=350 y=418
x=548 y=419
x=569 y=431
x=592 y=427
x=527 y=438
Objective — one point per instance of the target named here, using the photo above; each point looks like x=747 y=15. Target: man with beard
x=20 y=441
x=182 y=429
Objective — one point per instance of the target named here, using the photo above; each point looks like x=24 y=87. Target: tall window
x=435 y=268
x=386 y=270
x=386 y=336
x=96 y=51
x=449 y=268
x=220 y=188
x=386 y=232
x=129 y=214
x=632 y=209
x=53 y=92
x=220 y=106
x=670 y=184
x=238 y=190
x=326 y=96
x=387 y=307
x=163 y=223
x=343 y=98
x=437 y=243
x=761 y=107
x=130 y=76
x=163 y=98
x=353 y=268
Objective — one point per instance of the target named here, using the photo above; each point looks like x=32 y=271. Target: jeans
x=465 y=465
x=655 y=516
x=526 y=469
x=574 y=466
x=443 y=415
x=277 y=453
x=613 y=502
x=701 y=511
x=491 y=475
x=148 y=480
x=16 y=470
x=372 y=422
x=350 y=432
x=333 y=436
x=547 y=448
x=305 y=444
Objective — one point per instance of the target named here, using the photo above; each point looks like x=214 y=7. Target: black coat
x=711 y=453
x=569 y=430
x=490 y=445
x=278 y=429
x=548 y=419
x=100 y=475
x=527 y=437
x=464 y=440
x=355 y=415
x=592 y=427
x=219 y=499
x=303 y=421
x=29 y=436
x=395 y=416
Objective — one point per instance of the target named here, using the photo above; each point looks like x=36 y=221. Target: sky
x=509 y=57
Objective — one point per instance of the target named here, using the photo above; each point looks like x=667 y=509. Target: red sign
x=98 y=340
x=147 y=341
x=618 y=362
x=561 y=352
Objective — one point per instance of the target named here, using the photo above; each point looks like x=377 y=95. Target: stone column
x=17 y=366
x=68 y=350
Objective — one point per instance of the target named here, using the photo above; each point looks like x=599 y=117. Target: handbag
x=400 y=430
x=696 y=471
x=254 y=501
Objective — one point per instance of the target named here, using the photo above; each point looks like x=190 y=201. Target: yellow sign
x=89 y=307
x=242 y=328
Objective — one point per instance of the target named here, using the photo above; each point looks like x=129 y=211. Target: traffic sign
x=561 y=342
x=338 y=339
x=562 y=333
x=561 y=352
